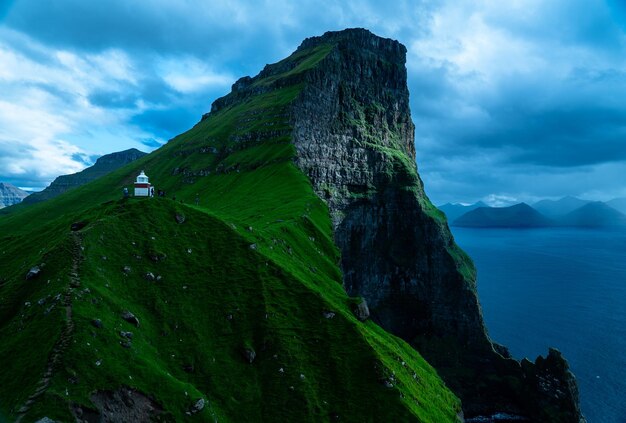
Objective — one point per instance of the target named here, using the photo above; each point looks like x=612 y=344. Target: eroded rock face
x=122 y=405
x=354 y=138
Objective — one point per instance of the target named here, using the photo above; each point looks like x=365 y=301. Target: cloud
x=515 y=98
x=151 y=142
x=510 y=99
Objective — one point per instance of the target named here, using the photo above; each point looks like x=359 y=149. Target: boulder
x=180 y=218
x=34 y=272
x=249 y=354
x=77 y=226
x=362 y=311
x=130 y=318
x=96 y=323
x=197 y=406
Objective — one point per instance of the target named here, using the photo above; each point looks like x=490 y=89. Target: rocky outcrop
x=104 y=165
x=353 y=135
x=354 y=138
x=122 y=405
x=10 y=195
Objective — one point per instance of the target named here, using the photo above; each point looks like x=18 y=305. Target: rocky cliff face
x=354 y=138
x=10 y=195
x=104 y=165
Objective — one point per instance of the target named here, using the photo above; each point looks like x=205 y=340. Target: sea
x=564 y=288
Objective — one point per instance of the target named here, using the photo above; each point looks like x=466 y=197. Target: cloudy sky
x=514 y=100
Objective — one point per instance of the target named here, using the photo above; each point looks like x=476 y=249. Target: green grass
x=216 y=295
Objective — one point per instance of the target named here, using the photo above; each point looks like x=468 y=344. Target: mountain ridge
x=103 y=165
x=519 y=215
x=10 y=195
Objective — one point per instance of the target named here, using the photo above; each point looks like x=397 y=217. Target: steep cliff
x=104 y=165
x=10 y=195
x=354 y=138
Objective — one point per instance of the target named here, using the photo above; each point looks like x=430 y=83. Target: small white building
x=142 y=186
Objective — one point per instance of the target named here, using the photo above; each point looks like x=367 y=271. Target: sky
x=512 y=101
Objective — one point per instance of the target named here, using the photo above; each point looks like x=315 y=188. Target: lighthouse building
x=142 y=186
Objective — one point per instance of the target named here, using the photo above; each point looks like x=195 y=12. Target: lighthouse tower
x=142 y=186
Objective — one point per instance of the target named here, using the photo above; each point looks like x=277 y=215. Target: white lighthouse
x=142 y=186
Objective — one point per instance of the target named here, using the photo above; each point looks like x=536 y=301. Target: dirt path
x=66 y=335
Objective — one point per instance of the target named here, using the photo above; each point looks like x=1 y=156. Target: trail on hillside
x=66 y=335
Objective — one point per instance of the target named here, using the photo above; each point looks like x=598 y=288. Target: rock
x=77 y=226
x=34 y=272
x=362 y=312
x=128 y=335
x=126 y=343
x=157 y=257
x=45 y=420
x=97 y=323
x=127 y=269
x=328 y=314
x=130 y=318
x=197 y=406
x=180 y=218
x=249 y=354
x=149 y=276
x=253 y=246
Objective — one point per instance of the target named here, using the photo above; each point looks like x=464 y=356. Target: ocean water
x=564 y=288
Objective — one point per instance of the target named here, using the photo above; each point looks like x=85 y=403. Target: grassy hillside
x=252 y=268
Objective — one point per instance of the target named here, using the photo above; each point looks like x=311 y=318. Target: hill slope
x=618 y=204
x=307 y=184
x=454 y=211
x=554 y=208
x=595 y=214
x=102 y=166
x=517 y=216
x=10 y=195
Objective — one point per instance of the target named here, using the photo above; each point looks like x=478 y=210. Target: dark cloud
x=510 y=99
x=113 y=99
x=151 y=142
x=167 y=123
x=82 y=158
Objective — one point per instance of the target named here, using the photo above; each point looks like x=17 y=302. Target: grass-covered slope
x=253 y=267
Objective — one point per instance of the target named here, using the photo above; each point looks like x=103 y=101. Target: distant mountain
x=104 y=165
x=517 y=216
x=595 y=214
x=454 y=211
x=618 y=204
x=553 y=208
x=10 y=195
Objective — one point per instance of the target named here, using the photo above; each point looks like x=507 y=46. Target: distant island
x=565 y=212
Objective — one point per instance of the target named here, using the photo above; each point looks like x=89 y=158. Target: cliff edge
x=355 y=140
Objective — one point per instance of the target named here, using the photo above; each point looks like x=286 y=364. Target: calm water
x=564 y=288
